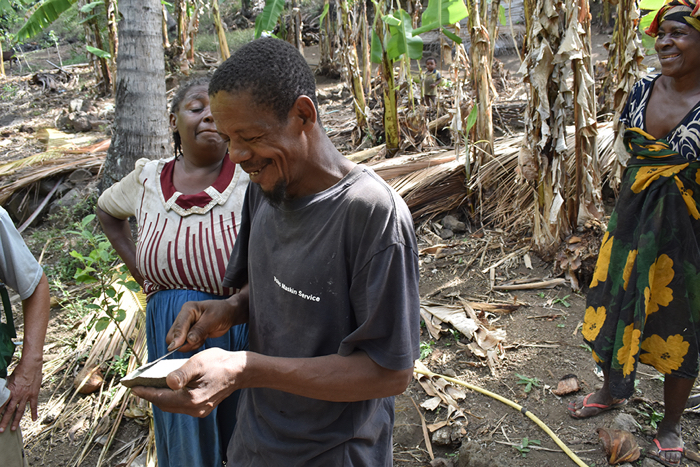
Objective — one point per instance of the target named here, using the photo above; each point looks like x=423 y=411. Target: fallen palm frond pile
x=508 y=201
x=63 y=155
x=91 y=422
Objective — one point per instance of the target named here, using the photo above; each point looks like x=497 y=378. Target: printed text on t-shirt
x=296 y=292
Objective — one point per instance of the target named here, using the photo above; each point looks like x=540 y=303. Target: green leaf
x=451 y=35
x=44 y=15
x=90 y=19
x=86 y=220
x=324 y=13
x=651 y=4
x=93 y=306
x=120 y=316
x=77 y=255
x=132 y=285
x=99 y=52
x=375 y=48
x=441 y=13
x=402 y=40
x=91 y=6
x=111 y=293
x=101 y=324
x=471 y=118
x=267 y=20
x=502 y=14
x=391 y=20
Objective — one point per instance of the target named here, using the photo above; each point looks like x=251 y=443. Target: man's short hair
x=271 y=70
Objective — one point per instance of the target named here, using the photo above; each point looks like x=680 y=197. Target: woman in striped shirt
x=188 y=210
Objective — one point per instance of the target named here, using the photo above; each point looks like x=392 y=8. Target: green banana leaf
x=402 y=40
x=375 y=48
x=651 y=4
x=44 y=15
x=441 y=13
x=267 y=20
x=99 y=52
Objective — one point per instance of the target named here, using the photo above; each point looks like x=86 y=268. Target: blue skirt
x=182 y=440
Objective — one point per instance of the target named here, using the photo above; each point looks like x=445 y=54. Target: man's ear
x=173 y=122
x=305 y=110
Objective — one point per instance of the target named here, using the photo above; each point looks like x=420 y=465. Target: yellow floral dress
x=644 y=299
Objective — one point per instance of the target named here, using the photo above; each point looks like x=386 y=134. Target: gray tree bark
x=141 y=117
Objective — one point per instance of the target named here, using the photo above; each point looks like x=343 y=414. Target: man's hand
x=205 y=380
x=24 y=384
x=198 y=321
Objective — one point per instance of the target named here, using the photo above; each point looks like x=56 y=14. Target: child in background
x=431 y=78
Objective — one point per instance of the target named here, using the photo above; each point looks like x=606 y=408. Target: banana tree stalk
x=297 y=25
x=481 y=72
x=220 y=33
x=2 y=62
x=164 y=23
x=587 y=202
x=366 y=58
x=113 y=36
x=354 y=75
x=391 y=118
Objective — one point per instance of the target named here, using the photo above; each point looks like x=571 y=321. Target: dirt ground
x=542 y=336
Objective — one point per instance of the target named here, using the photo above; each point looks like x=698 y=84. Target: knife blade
x=149 y=365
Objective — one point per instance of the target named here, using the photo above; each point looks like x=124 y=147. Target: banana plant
x=393 y=38
x=43 y=15
x=441 y=13
x=349 y=29
x=267 y=20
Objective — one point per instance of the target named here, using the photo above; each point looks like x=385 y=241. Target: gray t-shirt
x=19 y=270
x=329 y=273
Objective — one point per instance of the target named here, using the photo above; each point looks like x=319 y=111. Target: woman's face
x=201 y=143
x=678 y=47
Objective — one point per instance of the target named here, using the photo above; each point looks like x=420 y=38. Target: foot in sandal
x=668 y=446
x=593 y=404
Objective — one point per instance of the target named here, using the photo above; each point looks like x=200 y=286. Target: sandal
x=657 y=458
x=592 y=405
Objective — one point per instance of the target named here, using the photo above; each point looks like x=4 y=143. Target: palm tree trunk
x=141 y=123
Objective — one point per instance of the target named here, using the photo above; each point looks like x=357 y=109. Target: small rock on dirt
x=451 y=223
x=446 y=233
x=443 y=436
x=626 y=422
x=647 y=462
x=471 y=455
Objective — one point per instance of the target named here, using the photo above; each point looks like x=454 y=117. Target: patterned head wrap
x=683 y=11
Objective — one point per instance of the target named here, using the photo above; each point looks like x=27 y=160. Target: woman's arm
x=119 y=235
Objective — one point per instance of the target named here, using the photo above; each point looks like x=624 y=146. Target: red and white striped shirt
x=184 y=241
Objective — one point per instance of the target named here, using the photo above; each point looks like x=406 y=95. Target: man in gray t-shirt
x=327 y=266
x=21 y=273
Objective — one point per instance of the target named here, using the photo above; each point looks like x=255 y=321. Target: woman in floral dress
x=644 y=299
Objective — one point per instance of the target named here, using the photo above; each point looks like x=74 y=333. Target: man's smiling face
x=271 y=151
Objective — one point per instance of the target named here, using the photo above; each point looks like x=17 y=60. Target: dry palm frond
x=91 y=421
x=509 y=200
x=41 y=169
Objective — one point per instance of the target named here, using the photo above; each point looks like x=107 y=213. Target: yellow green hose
x=517 y=407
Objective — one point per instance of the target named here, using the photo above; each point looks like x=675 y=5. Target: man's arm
x=118 y=233
x=25 y=380
x=212 y=375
